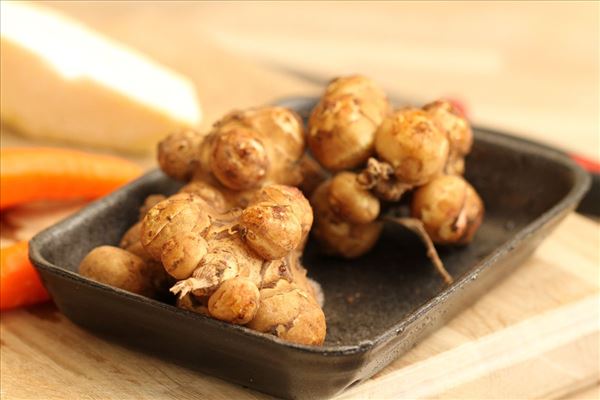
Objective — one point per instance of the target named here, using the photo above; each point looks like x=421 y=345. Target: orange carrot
x=20 y=284
x=29 y=174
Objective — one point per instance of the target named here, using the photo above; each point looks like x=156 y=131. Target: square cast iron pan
x=377 y=307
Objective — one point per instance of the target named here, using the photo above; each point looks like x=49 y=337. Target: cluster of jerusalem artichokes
x=229 y=243
x=379 y=155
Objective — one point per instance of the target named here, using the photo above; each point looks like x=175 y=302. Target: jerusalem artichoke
x=289 y=306
x=276 y=220
x=413 y=145
x=235 y=301
x=457 y=129
x=119 y=268
x=178 y=154
x=349 y=200
x=226 y=262
x=337 y=235
x=244 y=150
x=392 y=153
x=450 y=208
x=341 y=128
x=231 y=238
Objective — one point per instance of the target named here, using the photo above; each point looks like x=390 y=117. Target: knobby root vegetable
x=171 y=233
x=119 y=268
x=381 y=155
x=337 y=235
x=272 y=230
x=177 y=155
x=289 y=210
x=244 y=150
x=220 y=200
x=131 y=236
x=227 y=264
x=341 y=128
x=236 y=301
x=450 y=208
x=227 y=257
x=457 y=129
x=350 y=201
x=131 y=241
x=238 y=158
x=280 y=132
x=413 y=145
x=150 y=202
x=289 y=308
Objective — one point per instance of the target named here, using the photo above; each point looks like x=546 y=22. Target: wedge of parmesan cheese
x=60 y=80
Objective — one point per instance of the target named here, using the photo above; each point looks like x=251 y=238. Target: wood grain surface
x=534 y=335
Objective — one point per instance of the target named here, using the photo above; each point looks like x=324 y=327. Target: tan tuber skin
x=231 y=238
x=341 y=128
x=150 y=202
x=235 y=301
x=178 y=154
x=351 y=201
x=272 y=230
x=413 y=145
x=290 y=197
x=219 y=200
x=458 y=130
x=337 y=235
x=119 y=268
x=131 y=241
x=281 y=132
x=244 y=150
x=393 y=153
x=289 y=313
x=243 y=256
x=131 y=236
x=228 y=257
x=289 y=307
x=450 y=208
x=238 y=158
x=256 y=146
x=171 y=230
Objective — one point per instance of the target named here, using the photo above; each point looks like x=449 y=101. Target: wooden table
x=534 y=335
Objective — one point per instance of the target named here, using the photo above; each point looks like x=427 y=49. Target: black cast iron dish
x=377 y=307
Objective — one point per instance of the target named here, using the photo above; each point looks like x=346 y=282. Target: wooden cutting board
x=536 y=334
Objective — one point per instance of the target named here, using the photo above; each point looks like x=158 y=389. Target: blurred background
x=528 y=67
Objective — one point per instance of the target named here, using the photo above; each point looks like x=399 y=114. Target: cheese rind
x=62 y=81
